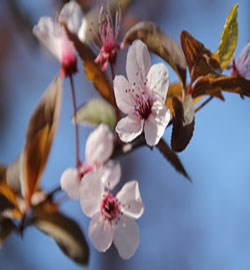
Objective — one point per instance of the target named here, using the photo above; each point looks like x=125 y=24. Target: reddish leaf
x=6 y=228
x=65 y=231
x=213 y=84
x=172 y=157
x=183 y=123
x=199 y=59
x=39 y=138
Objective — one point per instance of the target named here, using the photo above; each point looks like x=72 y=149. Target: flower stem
x=78 y=161
x=112 y=71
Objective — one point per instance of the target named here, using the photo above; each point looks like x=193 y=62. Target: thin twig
x=203 y=104
x=78 y=161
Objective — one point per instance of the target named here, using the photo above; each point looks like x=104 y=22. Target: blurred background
x=199 y=226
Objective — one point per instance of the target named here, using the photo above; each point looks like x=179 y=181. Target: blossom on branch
x=52 y=35
x=106 y=38
x=142 y=96
x=242 y=66
x=112 y=217
x=99 y=148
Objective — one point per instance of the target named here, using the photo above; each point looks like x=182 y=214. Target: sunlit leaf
x=228 y=39
x=175 y=90
x=183 y=123
x=159 y=43
x=199 y=59
x=39 y=138
x=6 y=228
x=211 y=85
x=8 y=202
x=96 y=111
x=65 y=231
x=92 y=70
x=172 y=157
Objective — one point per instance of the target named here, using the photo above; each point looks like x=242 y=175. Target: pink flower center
x=140 y=98
x=69 y=65
x=110 y=208
x=142 y=106
x=106 y=39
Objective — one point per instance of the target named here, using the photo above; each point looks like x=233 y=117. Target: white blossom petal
x=110 y=174
x=70 y=183
x=128 y=128
x=49 y=33
x=91 y=193
x=156 y=124
x=99 y=146
x=126 y=237
x=158 y=82
x=123 y=95
x=101 y=232
x=83 y=30
x=71 y=14
x=138 y=62
x=131 y=200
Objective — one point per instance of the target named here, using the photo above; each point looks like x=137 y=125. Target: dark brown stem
x=78 y=161
x=112 y=71
x=204 y=103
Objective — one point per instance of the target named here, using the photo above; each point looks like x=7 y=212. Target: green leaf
x=172 y=157
x=66 y=233
x=183 y=123
x=228 y=39
x=6 y=228
x=95 y=112
x=159 y=43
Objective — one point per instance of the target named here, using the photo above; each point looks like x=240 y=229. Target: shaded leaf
x=159 y=43
x=39 y=138
x=199 y=59
x=13 y=175
x=95 y=112
x=6 y=228
x=228 y=39
x=183 y=123
x=65 y=231
x=211 y=85
x=92 y=70
x=172 y=157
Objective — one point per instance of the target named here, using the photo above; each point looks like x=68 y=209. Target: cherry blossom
x=106 y=39
x=53 y=36
x=99 y=148
x=242 y=66
x=71 y=15
x=112 y=217
x=142 y=96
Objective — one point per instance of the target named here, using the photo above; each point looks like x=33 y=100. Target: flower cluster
x=112 y=217
x=141 y=97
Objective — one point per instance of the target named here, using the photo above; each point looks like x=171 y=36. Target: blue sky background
x=200 y=226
